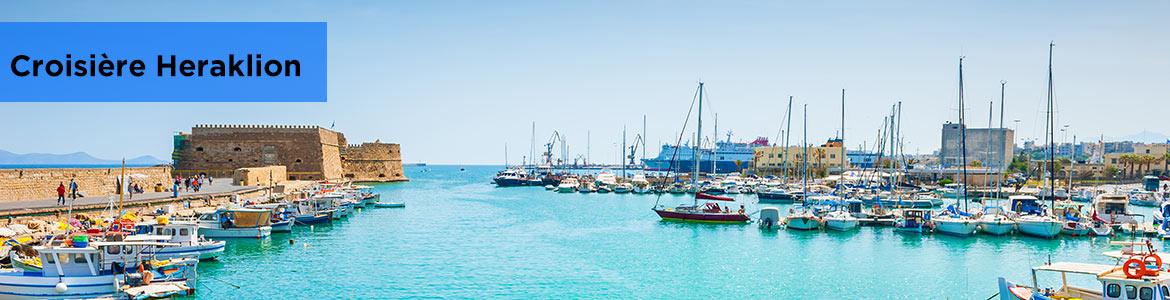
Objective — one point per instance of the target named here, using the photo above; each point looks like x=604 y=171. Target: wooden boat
x=1141 y=276
x=235 y=223
x=186 y=237
x=390 y=204
x=84 y=272
x=913 y=220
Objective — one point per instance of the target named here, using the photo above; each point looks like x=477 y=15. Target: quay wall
x=35 y=184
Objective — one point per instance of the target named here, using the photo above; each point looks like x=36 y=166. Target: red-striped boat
x=708 y=212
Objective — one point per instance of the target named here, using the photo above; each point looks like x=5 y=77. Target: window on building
x=237 y=149
x=198 y=148
x=229 y=160
x=832 y=156
x=298 y=160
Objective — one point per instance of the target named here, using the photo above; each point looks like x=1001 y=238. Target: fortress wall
x=35 y=184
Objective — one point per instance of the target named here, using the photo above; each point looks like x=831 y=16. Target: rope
x=674 y=156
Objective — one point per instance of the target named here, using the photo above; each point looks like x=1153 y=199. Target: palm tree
x=1127 y=161
x=820 y=154
x=1165 y=163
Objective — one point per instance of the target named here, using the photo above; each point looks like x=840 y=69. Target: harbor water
x=462 y=237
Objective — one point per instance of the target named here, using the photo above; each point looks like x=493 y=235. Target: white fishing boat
x=90 y=272
x=234 y=223
x=186 y=239
x=586 y=187
x=390 y=204
x=311 y=210
x=996 y=221
x=567 y=185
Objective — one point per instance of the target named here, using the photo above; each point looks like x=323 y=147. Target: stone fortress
x=306 y=152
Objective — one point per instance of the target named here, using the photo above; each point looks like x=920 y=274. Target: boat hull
x=1042 y=229
x=672 y=215
x=841 y=224
x=804 y=223
x=17 y=286
x=961 y=228
x=390 y=205
x=510 y=182
x=204 y=251
x=312 y=219
x=996 y=228
x=285 y=226
x=257 y=232
x=767 y=197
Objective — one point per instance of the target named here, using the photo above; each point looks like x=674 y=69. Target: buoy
x=306 y=244
x=290 y=241
x=61 y=287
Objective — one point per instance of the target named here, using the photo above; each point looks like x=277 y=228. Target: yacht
x=1032 y=219
x=568 y=185
x=996 y=221
x=952 y=221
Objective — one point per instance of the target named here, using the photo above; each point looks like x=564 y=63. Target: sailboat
x=708 y=211
x=1033 y=219
x=953 y=221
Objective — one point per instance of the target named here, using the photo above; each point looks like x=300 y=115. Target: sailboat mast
x=622 y=158
x=1002 y=85
x=1051 y=129
x=787 y=133
x=532 y=150
x=698 y=135
x=962 y=138
x=804 y=163
x=844 y=150
x=714 y=145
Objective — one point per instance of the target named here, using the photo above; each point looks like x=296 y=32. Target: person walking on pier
x=61 y=194
x=72 y=189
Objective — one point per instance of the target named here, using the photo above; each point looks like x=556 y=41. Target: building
x=1154 y=153
x=307 y=153
x=862 y=159
x=773 y=159
x=990 y=147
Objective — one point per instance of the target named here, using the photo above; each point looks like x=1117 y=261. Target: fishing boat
x=282 y=219
x=568 y=185
x=311 y=210
x=234 y=223
x=184 y=240
x=1032 y=220
x=1073 y=223
x=390 y=204
x=586 y=187
x=82 y=272
x=996 y=221
x=1140 y=277
x=914 y=220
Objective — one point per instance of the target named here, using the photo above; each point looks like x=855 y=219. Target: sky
x=455 y=82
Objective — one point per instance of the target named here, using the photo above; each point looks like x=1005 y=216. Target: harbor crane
x=552 y=141
x=638 y=140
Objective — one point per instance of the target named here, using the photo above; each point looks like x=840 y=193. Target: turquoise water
x=461 y=237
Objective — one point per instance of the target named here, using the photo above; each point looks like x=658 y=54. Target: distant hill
x=1145 y=136
x=76 y=158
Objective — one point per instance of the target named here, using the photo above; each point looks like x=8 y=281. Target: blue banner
x=163 y=62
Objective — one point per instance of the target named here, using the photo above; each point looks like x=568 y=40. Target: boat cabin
x=1110 y=206
x=236 y=218
x=1026 y=205
x=1067 y=210
x=914 y=217
x=1115 y=285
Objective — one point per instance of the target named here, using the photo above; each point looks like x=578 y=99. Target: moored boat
x=234 y=223
x=996 y=221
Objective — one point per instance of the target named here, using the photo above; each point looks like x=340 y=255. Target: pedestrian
x=61 y=194
x=187 y=184
x=73 y=189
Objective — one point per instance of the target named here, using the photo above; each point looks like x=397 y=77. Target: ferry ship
x=724 y=156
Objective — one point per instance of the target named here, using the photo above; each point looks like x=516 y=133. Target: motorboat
x=952 y=221
x=706 y=212
x=1082 y=194
x=586 y=187
x=1032 y=220
x=234 y=223
x=641 y=185
x=914 y=220
x=996 y=221
x=311 y=210
x=568 y=185
x=770 y=218
x=624 y=187
x=390 y=204
x=802 y=217
x=1112 y=208
x=1144 y=198
x=511 y=177
x=282 y=218
x=775 y=195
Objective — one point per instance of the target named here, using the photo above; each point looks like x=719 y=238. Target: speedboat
x=802 y=218
x=913 y=220
x=234 y=223
x=568 y=185
x=952 y=221
x=996 y=221
x=1033 y=220
x=511 y=177
x=770 y=218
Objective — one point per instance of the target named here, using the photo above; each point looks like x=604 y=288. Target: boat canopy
x=1077 y=268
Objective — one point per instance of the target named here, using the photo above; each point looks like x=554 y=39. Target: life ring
x=116 y=227
x=1134 y=268
x=127 y=224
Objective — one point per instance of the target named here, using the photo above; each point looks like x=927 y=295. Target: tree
x=1127 y=162
x=1111 y=171
x=1165 y=163
x=976 y=164
x=820 y=154
x=945 y=181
